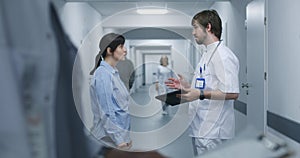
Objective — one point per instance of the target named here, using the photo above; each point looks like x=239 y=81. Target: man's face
x=199 y=32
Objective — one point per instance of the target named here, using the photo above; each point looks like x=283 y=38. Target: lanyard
x=200 y=81
x=212 y=54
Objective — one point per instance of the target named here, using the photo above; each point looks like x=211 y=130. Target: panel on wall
x=283 y=56
x=283 y=117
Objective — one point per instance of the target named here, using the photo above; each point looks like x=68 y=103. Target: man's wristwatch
x=201 y=97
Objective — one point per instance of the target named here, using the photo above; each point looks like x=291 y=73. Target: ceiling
x=110 y=7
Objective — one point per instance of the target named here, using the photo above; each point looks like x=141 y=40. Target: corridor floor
x=147 y=119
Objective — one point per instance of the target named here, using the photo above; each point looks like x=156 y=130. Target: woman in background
x=163 y=74
x=109 y=96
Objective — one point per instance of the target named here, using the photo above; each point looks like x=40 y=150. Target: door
x=255 y=86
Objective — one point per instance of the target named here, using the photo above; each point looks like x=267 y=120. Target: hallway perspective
x=181 y=146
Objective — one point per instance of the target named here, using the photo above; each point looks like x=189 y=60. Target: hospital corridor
x=149 y=79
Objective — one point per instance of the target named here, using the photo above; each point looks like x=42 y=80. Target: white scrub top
x=215 y=118
x=163 y=74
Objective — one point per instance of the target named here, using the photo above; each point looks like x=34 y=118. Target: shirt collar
x=211 y=47
x=108 y=67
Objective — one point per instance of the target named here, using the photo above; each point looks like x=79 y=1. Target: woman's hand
x=125 y=146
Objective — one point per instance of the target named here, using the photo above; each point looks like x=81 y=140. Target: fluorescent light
x=152 y=11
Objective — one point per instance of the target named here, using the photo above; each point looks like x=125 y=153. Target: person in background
x=214 y=88
x=163 y=73
x=109 y=96
x=127 y=73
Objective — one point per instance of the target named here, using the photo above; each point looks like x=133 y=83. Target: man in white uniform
x=214 y=88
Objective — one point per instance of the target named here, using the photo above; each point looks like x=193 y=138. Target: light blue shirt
x=109 y=100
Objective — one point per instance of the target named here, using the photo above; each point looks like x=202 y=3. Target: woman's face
x=164 y=61
x=120 y=52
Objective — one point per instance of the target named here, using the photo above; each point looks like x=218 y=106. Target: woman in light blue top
x=109 y=96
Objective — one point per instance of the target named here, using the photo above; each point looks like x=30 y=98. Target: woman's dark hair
x=210 y=17
x=111 y=41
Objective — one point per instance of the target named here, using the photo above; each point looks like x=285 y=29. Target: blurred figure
x=127 y=73
x=109 y=96
x=163 y=73
x=70 y=139
x=38 y=117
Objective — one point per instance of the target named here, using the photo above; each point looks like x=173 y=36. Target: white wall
x=78 y=19
x=135 y=21
x=283 y=60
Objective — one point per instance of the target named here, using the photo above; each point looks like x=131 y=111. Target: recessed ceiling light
x=152 y=11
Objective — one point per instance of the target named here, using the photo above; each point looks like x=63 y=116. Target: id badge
x=200 y=83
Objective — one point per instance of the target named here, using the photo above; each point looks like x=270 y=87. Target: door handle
x=245 y=85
